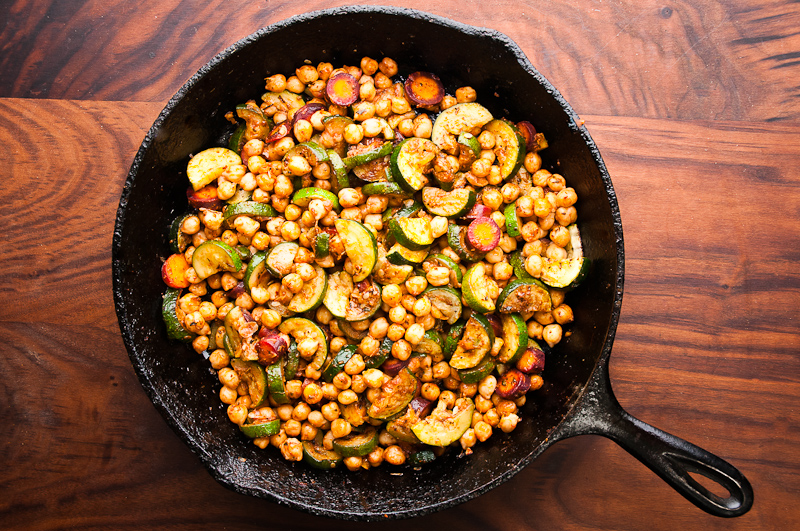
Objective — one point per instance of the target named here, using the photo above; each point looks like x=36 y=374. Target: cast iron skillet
x=577 y=397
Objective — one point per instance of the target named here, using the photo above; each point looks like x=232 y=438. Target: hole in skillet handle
x=672 y=458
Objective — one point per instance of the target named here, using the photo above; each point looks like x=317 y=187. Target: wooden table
x=695 y=107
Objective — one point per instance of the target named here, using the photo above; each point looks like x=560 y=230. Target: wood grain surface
x=695 y=108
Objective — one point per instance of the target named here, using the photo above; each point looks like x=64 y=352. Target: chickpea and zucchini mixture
x=373 y=267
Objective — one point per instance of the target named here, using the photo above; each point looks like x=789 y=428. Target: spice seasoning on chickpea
x=371 y=267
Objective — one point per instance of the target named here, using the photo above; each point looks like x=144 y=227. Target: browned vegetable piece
x=424 y=88
x=281 y=130
x=513 y=384
x=342 y=89
x=205 y=197
x=479 y=210
x=528 y=131
x=271 y=346
x=173 y=272
x=483 y=234
x=307 y=111
x=532 y=361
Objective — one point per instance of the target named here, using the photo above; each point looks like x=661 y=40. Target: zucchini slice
x=414 y=234
x=513 y=223
x=383 y=188
x=337 y=297
x=515 y=338
x=317 y=456
x=311 y=294
x=252 y=374
x=460 y=118
x=399 y=255
x=476 y=342
x=173 y=316
x=364 y=301
x=213 y=256
x=335 y=364
x=179 y=240
x=253 y=209
x=445 y=303
x=300 y=328
x=451 y=204
x=283 y=101
x=430 y=344
x=232 y=342
x=409 y=208
x=387 y=273
x=360 y=246
x=322 y=245
x=384 y=350
x=411 y=160
x=453 y=337
x=456 y=238
x=276 y=382
x=304 y=196
x=518 y=263
x=311 y=151
x=524 y=296
x=475 y=289
x=292 y=362
x=339 y=178
x=567 y=273
x=509 y=147
x=209 y=164
x=575 y=246
x=478 y=372
x=440 y=260
x=280 y=259
x=350 y=332
x=469 y=140
x=395 y=395
x=237 y=140
x=357 y=444
x=444 y=427
x=370 y=154
x=255 y=271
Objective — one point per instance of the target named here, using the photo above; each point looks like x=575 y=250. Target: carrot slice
x=174 y=271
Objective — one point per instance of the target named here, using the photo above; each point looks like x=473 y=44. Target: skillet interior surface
x=181 y=383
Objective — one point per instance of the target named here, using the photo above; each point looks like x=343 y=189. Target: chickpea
x=388 y=67
x=348 y=396
x=552 y=334
x=416 y=285
x=395 y=332
x=394 y=455
x=566 y=215
x=508 y=423
x=414 y=333
x=466 y=94
x=423 y=126
x=292 y=449
x=482 y=431
x=533 y=162
x=340 y=428
x=535 y=329
x=401 y=349
x=378 y=328
x=438 y=276
x=228 y=395
x=375 y=457
x=293 y=84
x=276 y=83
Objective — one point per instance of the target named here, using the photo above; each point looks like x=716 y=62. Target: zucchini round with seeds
x=412 y=233
x=453 y=204
x=173 y=316
x=209 y=164
x=453 y=337
x=518 y=263
x=509 y=147
x=213 y=256
x=350 y=332
x=411 y=160
x=395 y=396
x=252 y=374
x=357 y=444
x=476 y=342
x=311 y=294
x=387 y=273
x=337 y=297
x=360 y=246
x=445 y=303
x=567 y=273
x=430 y=344
x=475 y=288
x=444 y=427
x=339 y=178
x=399 y=255
x=280 y=259
x=300 y=329
x=364 y=301
x=524 y=296
x=460 y=118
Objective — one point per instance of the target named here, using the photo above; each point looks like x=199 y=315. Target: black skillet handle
x=668 y=456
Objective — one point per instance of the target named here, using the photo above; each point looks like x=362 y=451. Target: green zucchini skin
x=169 y=313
